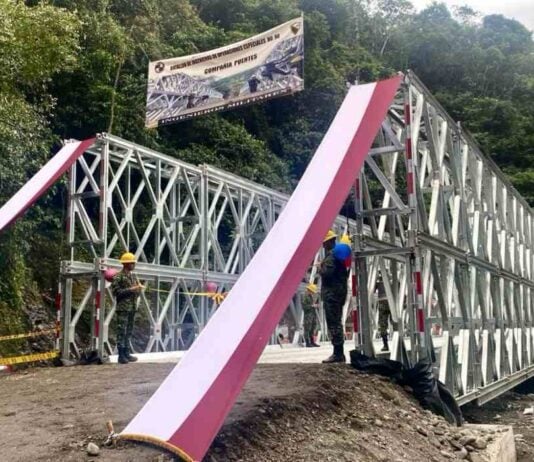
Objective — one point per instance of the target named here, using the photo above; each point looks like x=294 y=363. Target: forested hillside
x=72 y=68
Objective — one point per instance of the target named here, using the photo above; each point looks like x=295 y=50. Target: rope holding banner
x=215 y=296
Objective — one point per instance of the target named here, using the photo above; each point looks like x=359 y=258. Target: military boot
x=129 y=357
x=122 y=355
x=385 y=342
x=337 y=357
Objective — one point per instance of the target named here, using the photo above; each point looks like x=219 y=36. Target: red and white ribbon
x=187 y=410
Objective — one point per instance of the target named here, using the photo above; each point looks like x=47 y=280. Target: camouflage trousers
x=310 y=324
x=333 y=311
x=125 y=324
x=383 y=318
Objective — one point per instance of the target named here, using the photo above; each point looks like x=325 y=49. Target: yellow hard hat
x=345 y=239
x=329 y=235
x=127 y=257
x=312 y=288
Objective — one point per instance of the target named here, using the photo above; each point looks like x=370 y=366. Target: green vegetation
x=72 y=68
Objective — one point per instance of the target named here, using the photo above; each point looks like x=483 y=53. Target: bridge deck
x=288 y=353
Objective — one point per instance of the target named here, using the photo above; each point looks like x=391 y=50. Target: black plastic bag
x=89 y=357
x=430 y=392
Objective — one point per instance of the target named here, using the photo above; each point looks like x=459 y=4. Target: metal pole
x=100 y=334
x=68 y=330
x=362 y=317
x=204 y=242
x=415 y=289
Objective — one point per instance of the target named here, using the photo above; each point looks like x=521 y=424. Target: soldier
x=383 y=314
x=333 y=293
x=309 y=305
x=126 y=291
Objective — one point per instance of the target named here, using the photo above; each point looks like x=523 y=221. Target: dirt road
x=304 y=412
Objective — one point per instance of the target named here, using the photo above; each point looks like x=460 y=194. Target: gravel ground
x=508 y=409
x=298 y=412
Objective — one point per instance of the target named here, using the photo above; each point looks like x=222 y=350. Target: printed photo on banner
x=262 y=67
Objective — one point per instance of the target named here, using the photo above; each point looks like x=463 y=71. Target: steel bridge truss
x=186 y=224
x=453 y=240
x=434 y=216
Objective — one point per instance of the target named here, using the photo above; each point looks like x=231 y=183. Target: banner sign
x=262 y=67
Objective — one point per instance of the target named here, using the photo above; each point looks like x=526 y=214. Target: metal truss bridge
x=451 y=237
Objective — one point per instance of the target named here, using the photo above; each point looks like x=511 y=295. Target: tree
x=73 y=68
x=35 y=43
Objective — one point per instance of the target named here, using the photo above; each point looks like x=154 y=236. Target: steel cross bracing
x=186 y=224
x=455 y=248
x=436 y=217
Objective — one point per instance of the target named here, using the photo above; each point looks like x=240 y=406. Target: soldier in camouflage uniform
x=383 y=314
x=126 y=291
x=309 y=307
x=334 y=276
